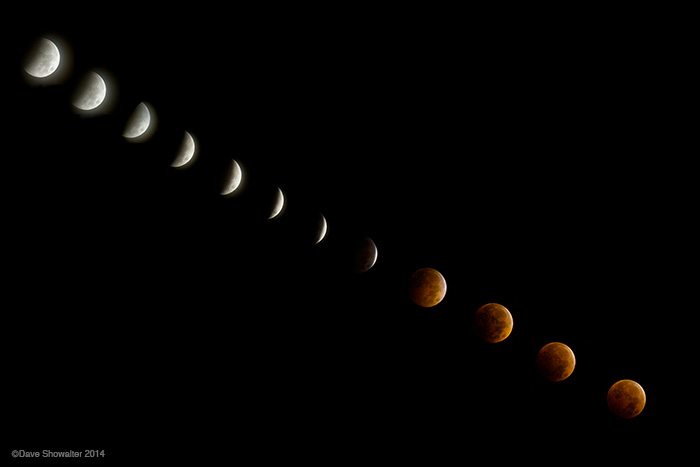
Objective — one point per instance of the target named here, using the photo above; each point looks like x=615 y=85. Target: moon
x=363 y=255
x=278 y=205
x=233 y=179
x=322 y=230
x=626 y=398
x=91 y=92
x=427 y=287
x=187 y=151
x=44 y=59
x=493 y=322
x=138 y=123
x=556 y=361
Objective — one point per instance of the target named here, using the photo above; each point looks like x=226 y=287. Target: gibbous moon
x=556 y=361
x=188 y=148
x=91 y=92
x=278 y=205
x=44 y=59
x=427 y=287
x=138 y=123
x=233 y=180
x=323 y=228
x=493 y=322
x=626 y=399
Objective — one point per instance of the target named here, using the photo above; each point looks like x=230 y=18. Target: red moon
x=427 y=287
x=626 y=399
x=493 y=322
x=556 y=361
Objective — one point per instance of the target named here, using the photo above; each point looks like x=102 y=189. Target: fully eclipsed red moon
x=556 y=361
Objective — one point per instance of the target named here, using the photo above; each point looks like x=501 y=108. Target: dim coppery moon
x=493 y=322
x=626 y=398
x=427 y=287
x=556 y=361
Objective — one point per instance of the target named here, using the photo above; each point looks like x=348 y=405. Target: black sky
x=529 y=164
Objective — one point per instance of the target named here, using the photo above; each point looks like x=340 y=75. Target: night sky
x=531 y=164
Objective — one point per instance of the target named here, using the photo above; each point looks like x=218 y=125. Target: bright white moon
x=233 y=180
x=138 y=123
x=279 y=204
x=186 y=152
x=322 y=231
x=91 y=92
x=44 y=60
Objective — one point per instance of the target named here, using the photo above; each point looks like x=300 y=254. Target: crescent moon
x=45 y=59
x=233 y=180
x=188 y=148
x=279 y=204
x=91 y=93
x=322 y=231
x=138 y=123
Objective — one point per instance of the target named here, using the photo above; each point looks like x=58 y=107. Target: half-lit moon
x=233 y=179
x=44 y=59
x=91 y=92
x=138 y=123
x=278 y=205
x=185 y=154
x=322 y=230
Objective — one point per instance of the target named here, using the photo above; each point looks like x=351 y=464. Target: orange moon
x=556 y=361
x=427 y=287
x=626 y=399
x=493 y=322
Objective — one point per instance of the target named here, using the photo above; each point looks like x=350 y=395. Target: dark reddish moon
x=493 y=322
x=427 y=287
x=626 y=399
x=556 y=361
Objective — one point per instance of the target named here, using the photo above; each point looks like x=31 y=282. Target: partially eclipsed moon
x=91 y=92
x=233 y=179
x=427 y=287
x=45 y=58
x=278 y=205
x=626 y=398
x=363 y=255
x=493 y=322
x=138 y=123
x=188 y=148
x=322 y=230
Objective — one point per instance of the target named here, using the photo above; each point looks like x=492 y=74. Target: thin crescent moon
x=45 y=60
x=233 y=180
x=324 y=229
x=92 y=92
x=188 y=148
x=279 y=204
x=376 y=253
x=138 y=123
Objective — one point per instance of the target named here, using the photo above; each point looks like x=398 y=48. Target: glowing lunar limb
x=322 y=230
x=45 y=58
x=278 y=205
x=188 y=149
x=91 y=92
x=233 y=179
x=138 y=123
